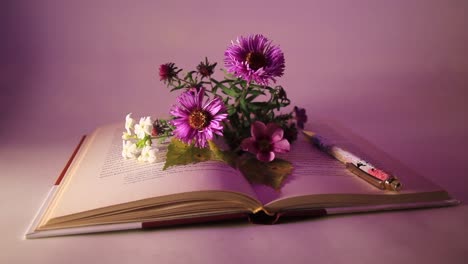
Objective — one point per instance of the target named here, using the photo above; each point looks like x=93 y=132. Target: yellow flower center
x=256 y=60
x=198 y=119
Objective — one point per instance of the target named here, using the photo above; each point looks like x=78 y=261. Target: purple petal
x=191 y=101
x=184 y=131
x=200 y=140
x=249 y=145
x=236 y=54
x=258 y=130
x=187 y=101
x=266 y=156
x=220 y=117
x=208 y=134
x=179 y=112
x=281 y=146
x=274 y=132
x=214 y=106
x=201 y=94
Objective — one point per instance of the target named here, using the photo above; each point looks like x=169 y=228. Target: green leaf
x=228 y=75
x=265 y=106
x=253 y=94
x=223 y=81
x=228 y=157
x=142 y=142
x=231 y=110
x=263 y=87
x=227 y=90
x=232 y=90
x=244 y=107
x=189 y=76
x=271 y=173
x=179 y=153
x=235 y=83
x=256 y=92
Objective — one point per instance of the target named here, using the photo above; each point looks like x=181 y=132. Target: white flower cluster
x=137 y=142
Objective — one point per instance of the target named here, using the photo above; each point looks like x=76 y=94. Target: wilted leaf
x=228 y=157
x=271 y=174
x=179 y=153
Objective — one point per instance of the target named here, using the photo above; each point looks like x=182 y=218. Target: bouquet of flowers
x=236 y=120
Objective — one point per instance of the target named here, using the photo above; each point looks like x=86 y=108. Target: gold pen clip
x=391 y=184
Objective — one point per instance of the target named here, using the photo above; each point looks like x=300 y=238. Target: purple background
x=394 y=72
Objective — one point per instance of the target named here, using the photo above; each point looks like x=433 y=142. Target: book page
x=315 y=172
x=102 y=177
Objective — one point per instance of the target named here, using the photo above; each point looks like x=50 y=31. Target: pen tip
x=308 y=133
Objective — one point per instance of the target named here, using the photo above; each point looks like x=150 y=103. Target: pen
x=358 y=166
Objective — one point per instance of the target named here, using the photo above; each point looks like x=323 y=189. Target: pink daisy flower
x=197 y=121
x=253 y=58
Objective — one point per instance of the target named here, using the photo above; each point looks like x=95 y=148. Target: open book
x=101 y=191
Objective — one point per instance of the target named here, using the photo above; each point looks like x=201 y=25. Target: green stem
x=211 y=84
x=184 y=81
x=243 y=97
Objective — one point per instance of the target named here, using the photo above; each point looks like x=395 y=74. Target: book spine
x=70 y=160
x=35 y=222
x=31 y=233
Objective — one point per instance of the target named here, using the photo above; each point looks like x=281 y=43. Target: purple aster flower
x=254 y=58
x=196 y=121
x=300 y=116
x=265 y=141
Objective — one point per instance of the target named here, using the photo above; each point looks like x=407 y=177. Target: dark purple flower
x=167 y=72
x=205 y=69
x=300 y=116
x=196 y=121
x=159 y=128
x=254 y=58
x=265 y=141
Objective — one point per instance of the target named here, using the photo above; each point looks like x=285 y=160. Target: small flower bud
x=205 y=69
x=168 y=72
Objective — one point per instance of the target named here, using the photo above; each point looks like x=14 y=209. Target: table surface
x=394 y=73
